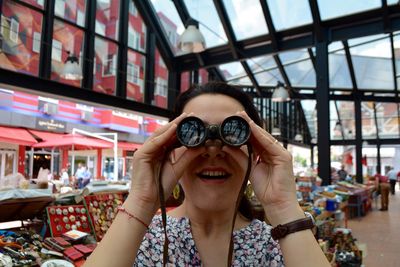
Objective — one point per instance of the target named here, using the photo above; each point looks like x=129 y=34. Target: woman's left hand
x=272 y=177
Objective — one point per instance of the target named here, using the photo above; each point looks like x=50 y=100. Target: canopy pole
x=116 y=165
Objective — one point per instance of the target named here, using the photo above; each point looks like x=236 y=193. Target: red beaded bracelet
x=130 y=215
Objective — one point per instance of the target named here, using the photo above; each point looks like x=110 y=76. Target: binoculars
x=193 y=132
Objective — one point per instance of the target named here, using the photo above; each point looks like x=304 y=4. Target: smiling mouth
x=213 y=175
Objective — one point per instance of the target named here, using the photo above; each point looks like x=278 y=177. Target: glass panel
x=347 y=118
x=332 y=9
x=36 y=3
x=367 y=120
x=281 y=18
x=310 y=112
x=392 y=2
x=209 y=23
x=241 y=81
x=107 y=18
x=396 y=44
x=335 y=126
x=105 y=66
x=389 y=158
x=240 y=12
x=135 y=76
x=203 y=76
x=342 y=156
x=170 y=21
x=185 y=81
x=369 y=162
x=71 y=10
x=66 y=38
x=301 y=73
x=21 y=29
x=269 y=78
x=261 y=63
x=160 y=82
x=137 y=29
x=372 y=65
x=9 y=162
x=232 y=71
x=339 y=74
x=293 y=56
x=388 y=120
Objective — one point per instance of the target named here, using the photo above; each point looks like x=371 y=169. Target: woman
x=199 y=231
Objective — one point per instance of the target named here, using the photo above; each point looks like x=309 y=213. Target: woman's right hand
x=147 y=160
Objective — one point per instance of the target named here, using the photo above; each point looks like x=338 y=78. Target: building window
x=133 y=75
x=100 y=28
x=134 y=39
x=109 y=65
x=56 y=51
x=132 y=9
x=80 y=18
x=10 y=29
x=36 y=42
x=161 y=87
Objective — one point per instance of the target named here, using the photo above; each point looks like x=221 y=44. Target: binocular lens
x=192 y=132
x=235 y=131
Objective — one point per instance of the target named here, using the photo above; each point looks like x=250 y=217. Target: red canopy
x=45 y=135
x=76 y=141
x=16 y=136
x=129 y=146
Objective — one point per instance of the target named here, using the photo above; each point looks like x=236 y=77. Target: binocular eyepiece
x=193 y=132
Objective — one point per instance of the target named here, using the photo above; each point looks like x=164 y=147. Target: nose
x=213 y=149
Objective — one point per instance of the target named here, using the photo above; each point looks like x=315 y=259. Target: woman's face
x=213 y=179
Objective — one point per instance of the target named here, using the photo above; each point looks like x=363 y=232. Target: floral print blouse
x=253 y=245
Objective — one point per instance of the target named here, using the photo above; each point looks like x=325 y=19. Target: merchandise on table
x=62 y=219
x=102 y=210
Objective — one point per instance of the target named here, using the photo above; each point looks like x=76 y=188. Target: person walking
x=383 y=186
x=392 y=175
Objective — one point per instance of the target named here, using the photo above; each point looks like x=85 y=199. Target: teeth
x=213 y=173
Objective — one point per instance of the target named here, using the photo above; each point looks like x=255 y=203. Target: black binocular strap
x=239 y=198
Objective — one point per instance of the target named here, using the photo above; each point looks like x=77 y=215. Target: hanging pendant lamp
x=192 y=40
x=280 y=94
x=72 y=69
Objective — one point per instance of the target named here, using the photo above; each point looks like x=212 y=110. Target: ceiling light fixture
x=276 y=131
x=298 y=138
x=192 y=40
x=72 y=69
x=280 y=94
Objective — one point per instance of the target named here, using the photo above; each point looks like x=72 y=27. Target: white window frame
x=36 y=42
x=59 y=8
x=14 y=30
x=113 y=65
x=161 y=87
x=56 y=51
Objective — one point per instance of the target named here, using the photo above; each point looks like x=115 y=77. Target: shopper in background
x=87 y=176
x=392 y=175
x=211 y=175
x=342 y=173
x=79 y=175
x=65 y=177
x=382 y=183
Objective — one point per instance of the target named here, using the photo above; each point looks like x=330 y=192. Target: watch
x=282 y=230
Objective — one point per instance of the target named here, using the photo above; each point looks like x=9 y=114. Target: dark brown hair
x=222 y=88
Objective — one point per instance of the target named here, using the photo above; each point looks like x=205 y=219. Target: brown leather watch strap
x=281 y=231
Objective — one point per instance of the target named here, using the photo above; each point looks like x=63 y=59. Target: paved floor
x=380 y=232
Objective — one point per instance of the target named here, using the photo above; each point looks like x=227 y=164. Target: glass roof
x=331 y=9
x=339 y=74
x=210 y=25
x=246 y=17
x=169 y=20
x=282 y=20
x=372 y=64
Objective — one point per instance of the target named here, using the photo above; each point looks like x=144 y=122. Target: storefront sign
x=51 y=125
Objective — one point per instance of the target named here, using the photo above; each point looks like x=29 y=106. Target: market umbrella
x=76 y=141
